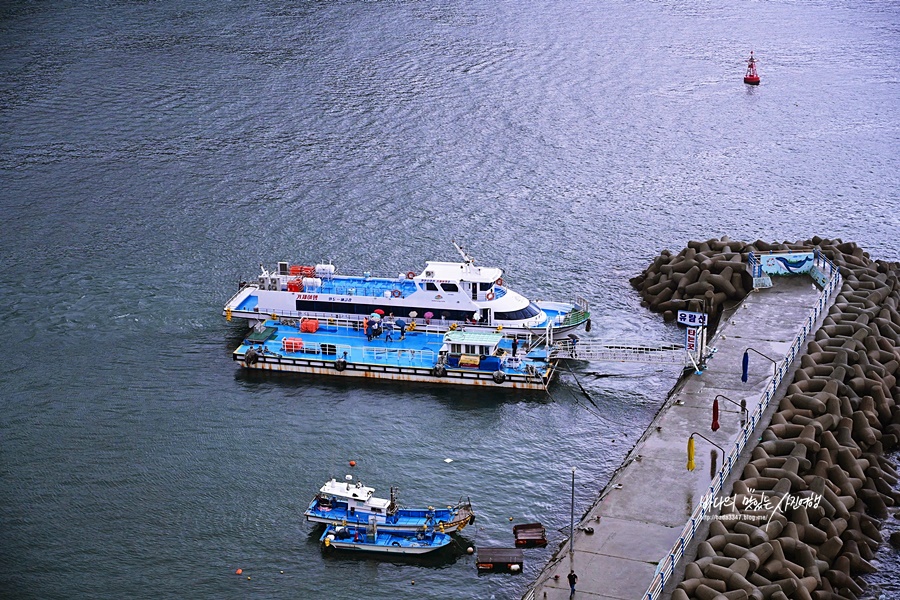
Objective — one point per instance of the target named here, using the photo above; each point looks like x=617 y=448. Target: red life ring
x=395 y=293
x=411 y=274
x=499 y=282
x=489 y=295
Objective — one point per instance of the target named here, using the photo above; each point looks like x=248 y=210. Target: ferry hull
x=368 y=539
x=449 y=527
x=253 y=316
x=411 y=551
x=324 y=367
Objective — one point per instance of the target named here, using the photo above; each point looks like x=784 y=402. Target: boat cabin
x=472 y=349
x=356 y=496
x=473 y=282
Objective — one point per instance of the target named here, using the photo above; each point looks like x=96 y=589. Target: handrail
x=666 y=567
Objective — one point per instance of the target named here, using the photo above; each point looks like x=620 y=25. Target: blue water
x=153 y=154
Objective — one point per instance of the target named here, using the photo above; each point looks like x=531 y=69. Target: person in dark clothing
x=573 y=579
x=515 y=346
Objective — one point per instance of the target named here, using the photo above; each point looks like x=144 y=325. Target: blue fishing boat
x=370 y=539
x=352 y=503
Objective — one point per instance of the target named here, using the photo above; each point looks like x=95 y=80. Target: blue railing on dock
x=666 y=568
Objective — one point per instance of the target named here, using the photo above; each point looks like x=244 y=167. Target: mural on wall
x=787 y=264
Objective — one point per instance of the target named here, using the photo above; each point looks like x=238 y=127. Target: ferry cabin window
x=528 y=312
x=325 y=307
x=485 y=286
x=450 y=287
x=471 y=349
x=430 y=287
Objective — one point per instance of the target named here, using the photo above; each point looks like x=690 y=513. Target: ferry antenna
x=468 y=259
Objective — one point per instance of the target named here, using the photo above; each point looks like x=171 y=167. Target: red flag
x=715 y=421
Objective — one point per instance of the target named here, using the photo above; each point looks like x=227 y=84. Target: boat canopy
x=349 y=490
x=471 y=342
x=454 y=271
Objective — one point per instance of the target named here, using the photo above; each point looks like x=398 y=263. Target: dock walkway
x=643 y=511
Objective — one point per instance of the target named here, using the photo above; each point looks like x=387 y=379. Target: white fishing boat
x=441 y=296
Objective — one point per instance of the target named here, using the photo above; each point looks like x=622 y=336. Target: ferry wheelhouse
x=443 y=294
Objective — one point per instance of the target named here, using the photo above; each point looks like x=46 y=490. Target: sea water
x=154 y=154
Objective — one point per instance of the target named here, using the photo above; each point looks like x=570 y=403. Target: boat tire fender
x=499 y=376
x=439 y=370
x=395 y=544
x=340 y=364
x=587 y=326
x=395 y=293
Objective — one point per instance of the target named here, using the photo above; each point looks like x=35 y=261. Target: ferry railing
x=415 y=357
x=431 y=325
x=316 y=349
x=241 y=290
x=665 y=570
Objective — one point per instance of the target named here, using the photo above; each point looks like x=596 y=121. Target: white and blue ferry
x=352 y=503
x=443 y=294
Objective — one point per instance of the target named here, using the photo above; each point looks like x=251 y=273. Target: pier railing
x=666 y=568
x=622 y=351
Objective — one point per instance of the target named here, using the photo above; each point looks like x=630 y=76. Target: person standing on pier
x=573 y=579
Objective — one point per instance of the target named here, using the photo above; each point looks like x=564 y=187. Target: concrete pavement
x=647 y=502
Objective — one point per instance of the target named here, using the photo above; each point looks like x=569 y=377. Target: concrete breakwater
x=714 y=271
x=803 y=519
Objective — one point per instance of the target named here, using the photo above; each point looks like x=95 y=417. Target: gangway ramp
x=606 y=351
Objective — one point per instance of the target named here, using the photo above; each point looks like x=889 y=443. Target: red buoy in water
x=751 y=77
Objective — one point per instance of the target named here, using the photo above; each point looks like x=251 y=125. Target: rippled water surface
x=152 y=154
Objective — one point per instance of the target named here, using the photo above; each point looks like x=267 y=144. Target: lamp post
x=572 y=526
x=742 y=405
x=690 y=465
x=745 y=364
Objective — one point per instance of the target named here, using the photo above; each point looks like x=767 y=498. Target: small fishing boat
x=502 y=560
x=530 y=535
x=751 y=77
x=443 y=294
x=352 y=503
x=370 y=539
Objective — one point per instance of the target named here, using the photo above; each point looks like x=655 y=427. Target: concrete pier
x=644 y=509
